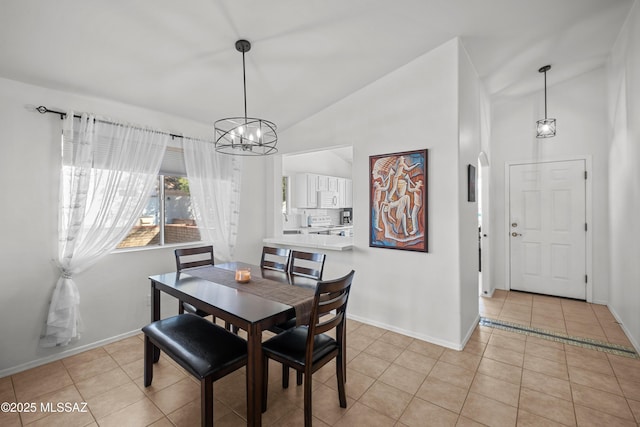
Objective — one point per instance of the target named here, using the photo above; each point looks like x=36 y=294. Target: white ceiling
x=180 y=58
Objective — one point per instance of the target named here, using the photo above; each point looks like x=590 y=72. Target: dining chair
x=308 y=348
x=304 y=264
x=205 y=350
x=307 y=264
x=275 y=258
x=187 y=258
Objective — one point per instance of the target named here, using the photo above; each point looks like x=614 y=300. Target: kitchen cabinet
x=307 y=186
x=306 y=190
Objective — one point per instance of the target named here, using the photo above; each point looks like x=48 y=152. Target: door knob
x=514 y=234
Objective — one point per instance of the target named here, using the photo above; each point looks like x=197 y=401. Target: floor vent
x=606 y=347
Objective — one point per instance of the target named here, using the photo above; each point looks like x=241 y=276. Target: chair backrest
x=193 y=257
x=307 y=264
x=329 y=310
x=275 y=258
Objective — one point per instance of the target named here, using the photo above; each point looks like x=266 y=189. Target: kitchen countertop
x=317 y=241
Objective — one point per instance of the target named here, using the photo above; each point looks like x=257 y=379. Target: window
x=168 y=217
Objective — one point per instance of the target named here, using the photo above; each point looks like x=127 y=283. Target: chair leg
x=265 y=382
x=149 y=350
x=340 y=369
x=285 y=376
x=206 y=402
x=299 y=377
x=307 y=399
x=180 y=307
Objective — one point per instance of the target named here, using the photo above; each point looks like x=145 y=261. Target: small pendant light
x=547 y=127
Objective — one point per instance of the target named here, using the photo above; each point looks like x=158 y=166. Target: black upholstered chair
x=207 y=351
x=308 y=348
x=187 y=258
x=275 y=258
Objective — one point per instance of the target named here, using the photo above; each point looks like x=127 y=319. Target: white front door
x=547 y=228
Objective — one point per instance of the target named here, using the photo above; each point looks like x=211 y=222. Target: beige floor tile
x=415 y=361
x=474 y=346
x=102 y=383
x=114 y=400
x=452 y=374
x=356 y=385
x=164 y=374
x=601 y=401
x=143 y=412
x=443 y=394
x=387 y=400
x=547 y=406
x=496 y=389
x=501 y=370
x=460 y=358
x=546 y=384
x=383 y=350
x=10 y=419
x=369 y=365
x=162 y=422
x=396 y=339
x=595 y=380
x=585 y=360
x=426 y=349
x=634 y=405
x=527 y=419
x=402 y=378
x=625 y=367
x=47 y=404
x=589 y=417
x=91 y=368
x=630 y=389
x=176 y=395
x=294 y=419
x=500 y=354
x=361 y=415
x=508 y=343
x=488 y=411
x=421 y=413
x=41 y=380
x=546 y=352
x=370 y=331
x=546 y=366
x=467 y=422
x=85 y=356
x=326 y=405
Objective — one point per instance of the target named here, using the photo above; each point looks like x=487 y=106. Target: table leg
x=155 y=315
x=254 y=376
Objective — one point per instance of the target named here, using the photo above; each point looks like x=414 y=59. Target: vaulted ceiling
x=180 y=58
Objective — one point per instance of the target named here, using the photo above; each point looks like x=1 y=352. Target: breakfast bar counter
x=316 y=241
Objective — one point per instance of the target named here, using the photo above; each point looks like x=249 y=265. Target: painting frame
x=471 y=183
x=398 y=210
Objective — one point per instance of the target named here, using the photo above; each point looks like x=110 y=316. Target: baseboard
x=633 y=342
x=58 y=356
x=412 y=334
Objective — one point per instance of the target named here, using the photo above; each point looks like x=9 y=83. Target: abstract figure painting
x=398 y=201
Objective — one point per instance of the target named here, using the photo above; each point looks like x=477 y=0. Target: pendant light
x=245 y=136
x=546 y=127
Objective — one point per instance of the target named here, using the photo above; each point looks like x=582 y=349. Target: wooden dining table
x=269 y=298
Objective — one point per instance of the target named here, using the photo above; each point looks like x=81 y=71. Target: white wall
x=469 y=99
x=624 y=181
x=114 y=292
x=414 y=107
x=578 y=106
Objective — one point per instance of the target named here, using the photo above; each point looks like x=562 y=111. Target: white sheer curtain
x=108 y=172
x=214 y=182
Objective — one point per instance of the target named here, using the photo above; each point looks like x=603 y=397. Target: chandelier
x=546 y=127
x=245 y=136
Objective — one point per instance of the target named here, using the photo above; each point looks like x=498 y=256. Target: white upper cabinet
x=307 y=185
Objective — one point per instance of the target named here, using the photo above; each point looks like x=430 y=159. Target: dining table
x=269 y=298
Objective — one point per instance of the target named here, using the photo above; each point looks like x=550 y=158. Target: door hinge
x=585 y=226
x=585 y=174
x=586 y=279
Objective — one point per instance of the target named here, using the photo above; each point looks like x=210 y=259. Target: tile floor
x=500 y=379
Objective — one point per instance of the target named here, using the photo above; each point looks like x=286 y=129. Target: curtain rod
x=43 y=110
